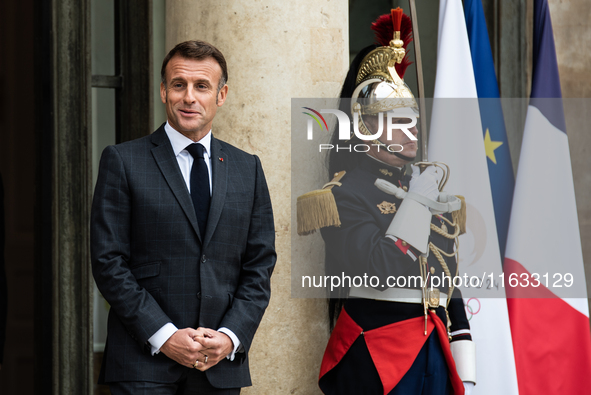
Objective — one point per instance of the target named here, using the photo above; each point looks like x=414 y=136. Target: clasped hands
x=199 y=348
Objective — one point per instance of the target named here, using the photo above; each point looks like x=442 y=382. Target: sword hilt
x=442 y=166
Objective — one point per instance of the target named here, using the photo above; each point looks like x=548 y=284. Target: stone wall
x=275 y=51
x=572 y=36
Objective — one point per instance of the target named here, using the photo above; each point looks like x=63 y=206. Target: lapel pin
x=221 y=159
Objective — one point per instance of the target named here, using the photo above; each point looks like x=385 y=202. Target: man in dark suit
x=182 y=241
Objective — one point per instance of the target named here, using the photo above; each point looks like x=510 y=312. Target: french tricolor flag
x=456 y=138
x=550 y=321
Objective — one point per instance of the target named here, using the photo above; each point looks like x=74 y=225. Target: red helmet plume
x=384 y=30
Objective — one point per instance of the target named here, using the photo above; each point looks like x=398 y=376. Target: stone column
x=70 y=190
x=571 y=36
x=275 y=51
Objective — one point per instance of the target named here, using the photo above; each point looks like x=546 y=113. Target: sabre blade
x=420 y=82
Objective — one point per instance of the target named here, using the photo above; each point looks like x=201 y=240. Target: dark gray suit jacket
x=152 y=265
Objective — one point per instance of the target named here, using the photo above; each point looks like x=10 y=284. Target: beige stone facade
x=275 y=51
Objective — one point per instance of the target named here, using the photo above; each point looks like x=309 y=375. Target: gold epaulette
x=459 y=216
x=317 y=209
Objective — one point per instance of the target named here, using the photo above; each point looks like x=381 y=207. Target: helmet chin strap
x=365 y=131
x=397 y=154
x=403 y=157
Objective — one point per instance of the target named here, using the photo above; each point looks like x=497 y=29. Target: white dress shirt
x=185 y=160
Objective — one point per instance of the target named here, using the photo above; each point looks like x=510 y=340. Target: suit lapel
x=219 y=165
x=166 y=161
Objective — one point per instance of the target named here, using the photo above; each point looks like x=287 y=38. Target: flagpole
x=420 y=84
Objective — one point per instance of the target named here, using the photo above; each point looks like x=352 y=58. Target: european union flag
x=500 y=169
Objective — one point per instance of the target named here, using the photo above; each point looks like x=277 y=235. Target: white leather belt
x=402 y=295
x=445 y=204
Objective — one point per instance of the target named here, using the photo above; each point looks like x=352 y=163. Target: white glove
x=464 y=353
x=412 y=222
x=427 y=183
x=468 y=387
x=445 y=202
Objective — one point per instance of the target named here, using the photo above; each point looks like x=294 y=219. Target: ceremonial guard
x=398 y=335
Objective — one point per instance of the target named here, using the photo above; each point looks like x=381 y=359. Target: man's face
x=191 y=95
x=409 y=147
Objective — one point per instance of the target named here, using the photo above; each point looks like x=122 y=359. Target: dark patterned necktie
x=199 y=186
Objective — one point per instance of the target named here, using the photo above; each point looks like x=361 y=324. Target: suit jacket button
x=203 y=259
x=198 y=295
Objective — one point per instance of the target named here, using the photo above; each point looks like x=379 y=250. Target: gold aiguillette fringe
x=459 y=216
x=318 y=209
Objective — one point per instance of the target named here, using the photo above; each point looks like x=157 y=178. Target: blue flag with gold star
x=500 y=169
